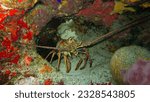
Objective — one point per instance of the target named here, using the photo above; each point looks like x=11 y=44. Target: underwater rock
x=124 y=58
x=43 y=13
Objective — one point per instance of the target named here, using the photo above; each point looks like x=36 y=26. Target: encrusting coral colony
x=79 y=42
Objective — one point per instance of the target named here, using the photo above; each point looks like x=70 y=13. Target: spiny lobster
x=71 y=47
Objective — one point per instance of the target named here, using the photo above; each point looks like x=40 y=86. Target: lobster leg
x=49 y=54
x=59 y=60
x=53 y=54
x=67 y=63
x=86 y=58
x=85 y=62
x=79 y=64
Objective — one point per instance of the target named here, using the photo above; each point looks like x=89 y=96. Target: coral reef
x=31 y=20
x=18 y=23
x=124 y=57
x=21 y=32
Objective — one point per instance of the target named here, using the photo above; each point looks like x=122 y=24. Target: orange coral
x=45 y=69
x=48 y=82
x=27 y=59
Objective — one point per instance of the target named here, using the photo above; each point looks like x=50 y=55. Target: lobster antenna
x=117 y=31
x=47 y=47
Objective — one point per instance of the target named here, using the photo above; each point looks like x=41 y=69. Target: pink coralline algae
x=101 y=11
x=138 y=74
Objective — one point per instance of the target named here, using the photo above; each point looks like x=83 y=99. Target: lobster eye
x=70 y=39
